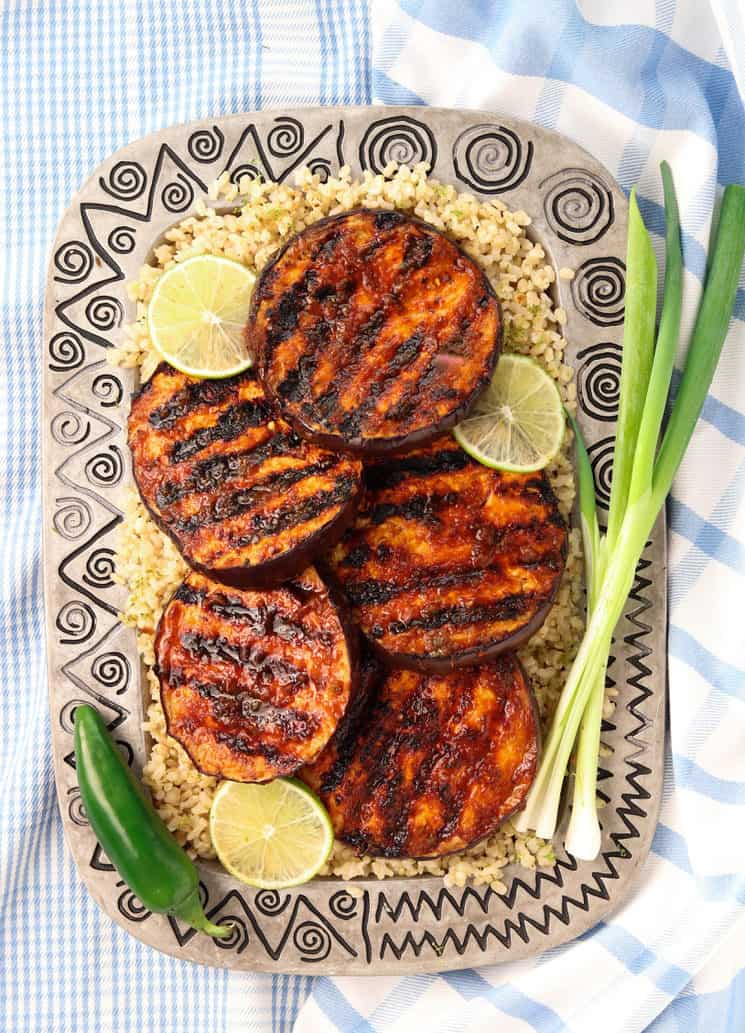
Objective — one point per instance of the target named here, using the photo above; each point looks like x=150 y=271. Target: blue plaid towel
x=633 y=81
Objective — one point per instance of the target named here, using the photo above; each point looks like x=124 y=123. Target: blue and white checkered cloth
x=633 y=81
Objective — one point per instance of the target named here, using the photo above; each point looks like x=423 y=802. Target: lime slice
x=198 y=313
x=272 y=835
x=518 y=422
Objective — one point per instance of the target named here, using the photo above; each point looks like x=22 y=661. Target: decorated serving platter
x=364 y=925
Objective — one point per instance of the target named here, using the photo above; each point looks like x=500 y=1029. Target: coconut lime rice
x=248 y=222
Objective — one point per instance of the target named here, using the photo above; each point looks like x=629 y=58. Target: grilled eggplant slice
x=439 y=762
x=254 y=683
x=374 y=331
x=448 y=562
x=243 y=497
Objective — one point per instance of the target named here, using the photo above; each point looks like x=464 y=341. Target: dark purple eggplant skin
x=391 y=443
x=276 y=568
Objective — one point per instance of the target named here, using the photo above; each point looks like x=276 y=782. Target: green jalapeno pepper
x=135 y=839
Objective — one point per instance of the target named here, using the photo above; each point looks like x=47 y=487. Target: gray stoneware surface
x=579 y=215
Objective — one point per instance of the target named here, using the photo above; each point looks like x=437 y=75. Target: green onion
x=583 y=833
x=667 y=343
x=708 y=338
x=638 y=350
x=640 y=486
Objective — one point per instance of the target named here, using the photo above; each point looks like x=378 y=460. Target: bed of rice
x=259 y=217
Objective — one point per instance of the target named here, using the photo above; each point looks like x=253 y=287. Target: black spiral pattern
x=127 y=181
x=598 y=290
x=106 y=468
x=286 y=137
x=578 y=205
x=491 y=159
x=599 y=380
x=69 y=429
x=107 y=388
x=178 y=194
x=128 y=754
x=67 y=714
x=99 y=568
x=320 y=167
x=132 y=907
x=72 y=517
x=343 y=905
x=400 y=139
x=246 y=169
x=270 y=903
x=601 y=460
x=66 y=352
x=104 y=312
x=312 y=941
x=76 y=808
x=238 y=938
x=206 y=145
x=122 y=240
x=76 y=622
x=74 y=260
x=112 y=670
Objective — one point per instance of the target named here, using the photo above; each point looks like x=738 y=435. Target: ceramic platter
x=579 y=215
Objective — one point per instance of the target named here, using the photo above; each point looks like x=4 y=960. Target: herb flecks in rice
x=151 y=568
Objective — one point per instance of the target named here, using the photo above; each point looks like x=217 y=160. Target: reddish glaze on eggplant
x=448 y=562
x=438 y=763
x=244 y=498
x=374 y=331
x=254 y=683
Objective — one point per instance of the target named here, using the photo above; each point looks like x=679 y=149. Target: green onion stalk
x=642 y=478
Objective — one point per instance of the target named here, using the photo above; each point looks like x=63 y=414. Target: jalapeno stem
x=190 y=911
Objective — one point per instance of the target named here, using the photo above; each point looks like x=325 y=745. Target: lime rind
x=518 y=423
x=296 y=848
x=197 y=315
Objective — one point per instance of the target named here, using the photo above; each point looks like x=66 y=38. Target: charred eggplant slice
x=448 y=562
x=374 y=331
x=254 y=683
x=244 y=498
x=439 y=762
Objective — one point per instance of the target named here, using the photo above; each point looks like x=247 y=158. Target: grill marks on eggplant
x=288 y=516
x=438 y=763
x=228 y=426
x=244 y=498
x=253 y=683
x=449 y=562
x=374 y=331
x=209 y=474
